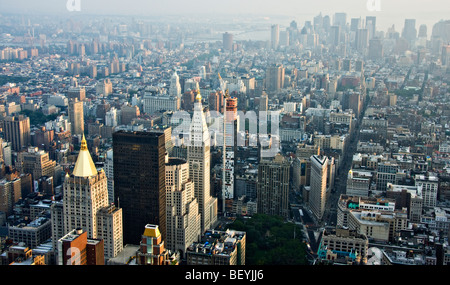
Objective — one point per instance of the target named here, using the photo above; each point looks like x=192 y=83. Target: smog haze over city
x=203 y=132
x=390 y=12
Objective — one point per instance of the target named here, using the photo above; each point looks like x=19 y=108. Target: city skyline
x=131 y=129
x=388 y=12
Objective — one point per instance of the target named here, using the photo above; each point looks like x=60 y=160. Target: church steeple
x=84 y=167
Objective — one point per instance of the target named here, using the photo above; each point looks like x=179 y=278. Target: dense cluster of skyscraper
x=142 y=144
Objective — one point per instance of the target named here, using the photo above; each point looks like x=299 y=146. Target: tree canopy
x=37 y=118
x=271 y=241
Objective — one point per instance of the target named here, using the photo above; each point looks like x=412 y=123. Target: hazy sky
x=392 y=11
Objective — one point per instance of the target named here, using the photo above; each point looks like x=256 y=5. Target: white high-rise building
x=238 y=86
x=175 y=87
x=183 y=217
x=85 y=192
x=290 y=107
x=109 y=169
x=111 y=117
x=154 y=103
x=110 y=229
x=191 y=84
x=104 y=87
x=318 y=183
x=60 y=124
x=198 y=157
x=202 y=72
x=6 y=152
x=275 y=36
x=231 y=131
x=358 y=183
x=429 y=185
x=86 y=206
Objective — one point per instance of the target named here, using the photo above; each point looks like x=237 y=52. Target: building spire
x=84 y=167
x=198 y=97
x=83 y=144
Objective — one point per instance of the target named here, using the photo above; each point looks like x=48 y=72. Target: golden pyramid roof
x=84 y=167
x=151 y=231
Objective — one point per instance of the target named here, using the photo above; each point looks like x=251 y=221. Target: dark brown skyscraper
x=273 y=186
x=187 y=100
x=139 y=181
x=215 y=100
x=17 y=131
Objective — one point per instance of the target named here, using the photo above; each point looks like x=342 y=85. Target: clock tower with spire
x=199 y=159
